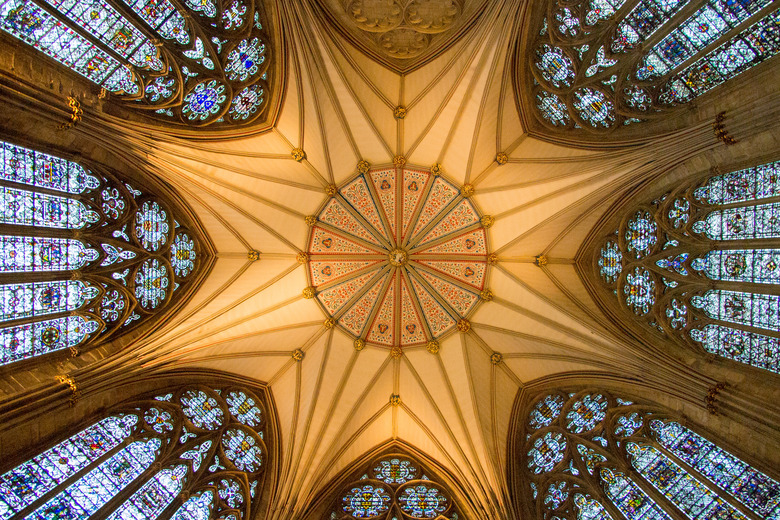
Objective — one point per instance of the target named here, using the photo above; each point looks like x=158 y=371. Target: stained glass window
x=108 y=469
x=588 y=69
x=148 y=53
x=698 y=264
x=93 y=261
x=634 y=463
x=394 y=486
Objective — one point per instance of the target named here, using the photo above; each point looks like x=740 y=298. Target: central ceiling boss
x=398 y=257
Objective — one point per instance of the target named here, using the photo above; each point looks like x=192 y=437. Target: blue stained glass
x=197 y=454
x=552 y=108
x=755 y=183
x=746 y=347
x=762 y=221
x=231 y=492
x=34 y=339
x=114 y=30
x=754 y=310
x=151 y=283
x=84 y=497
x=610 y=262
x=557 y=493
x=599 y=63
x=163 y=17
x=243 y=62
x=26 y=208
x=639 y=291
x=741 y=265
x=113 y=203
x=586 y=413
x=545 y=412
x=207 y=7
x=641 y=234
x=31 y=480
x=751 y=487
x=366 y=501
x=568 y=23
x=244 y=408
x=42 y=170
x=183 y=255
x=160 y=88
x=601 y=10
x=594 y=108
x=233 y=16
x=22 y=300
x=36 y=27
x=204 y=100
x=629 y=498
x=548 y=450
x=395 y=471
x=154 y=496
x=160 y=420
x=674 y=263
x=628 y=425
x=201 y=409
x=554 y=66
x=422 y=501
x=242 y=450
x=751 y=47
x=590 y=457
x=691 y=496
x=112 y=306
x=246 y=102
x=197 y=507
x=115 y=254
x=27 y=254
x=151 y=226
x=590 y=508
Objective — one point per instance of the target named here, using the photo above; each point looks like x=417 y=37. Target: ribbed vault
x=253 y=196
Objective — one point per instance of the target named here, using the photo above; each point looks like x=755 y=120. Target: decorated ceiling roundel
x=399 y=257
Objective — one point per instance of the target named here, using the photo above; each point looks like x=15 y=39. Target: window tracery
x=590 y=456
x=599 y=65
x=196 y=63
x=700 y=265
x=82 y=255
x=195 y=453
x=396 y=487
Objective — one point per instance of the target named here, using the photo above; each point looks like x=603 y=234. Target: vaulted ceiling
x=251 y=194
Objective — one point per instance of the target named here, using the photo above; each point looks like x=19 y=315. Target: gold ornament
x=463 y=325
x=496 y=358
x=396 y=352
x=298 y=155
x=75 y=114
x=502 y=158
x=309 y=293
x=399 y=112
x=363 y=166
x=540 y=261
x=398 y=257
x=329 y=323
x=487 y=221
x=399 y=160
x=360 y=344
x=310 y=220
x=433 y=346
x=486 y=295
x=75 y=391
x=437 y=169
x=253 y=255
x=302 y=257
x=331 y=190
x=467 y=190
x=298 y=354
x=395 y=399
x=492 y=259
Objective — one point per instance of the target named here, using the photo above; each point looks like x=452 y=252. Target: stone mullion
x=652 y=493
x=89 y=467
x=714 y=488
x=723 y=38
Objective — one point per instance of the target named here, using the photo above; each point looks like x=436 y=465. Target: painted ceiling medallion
x=398 y=257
